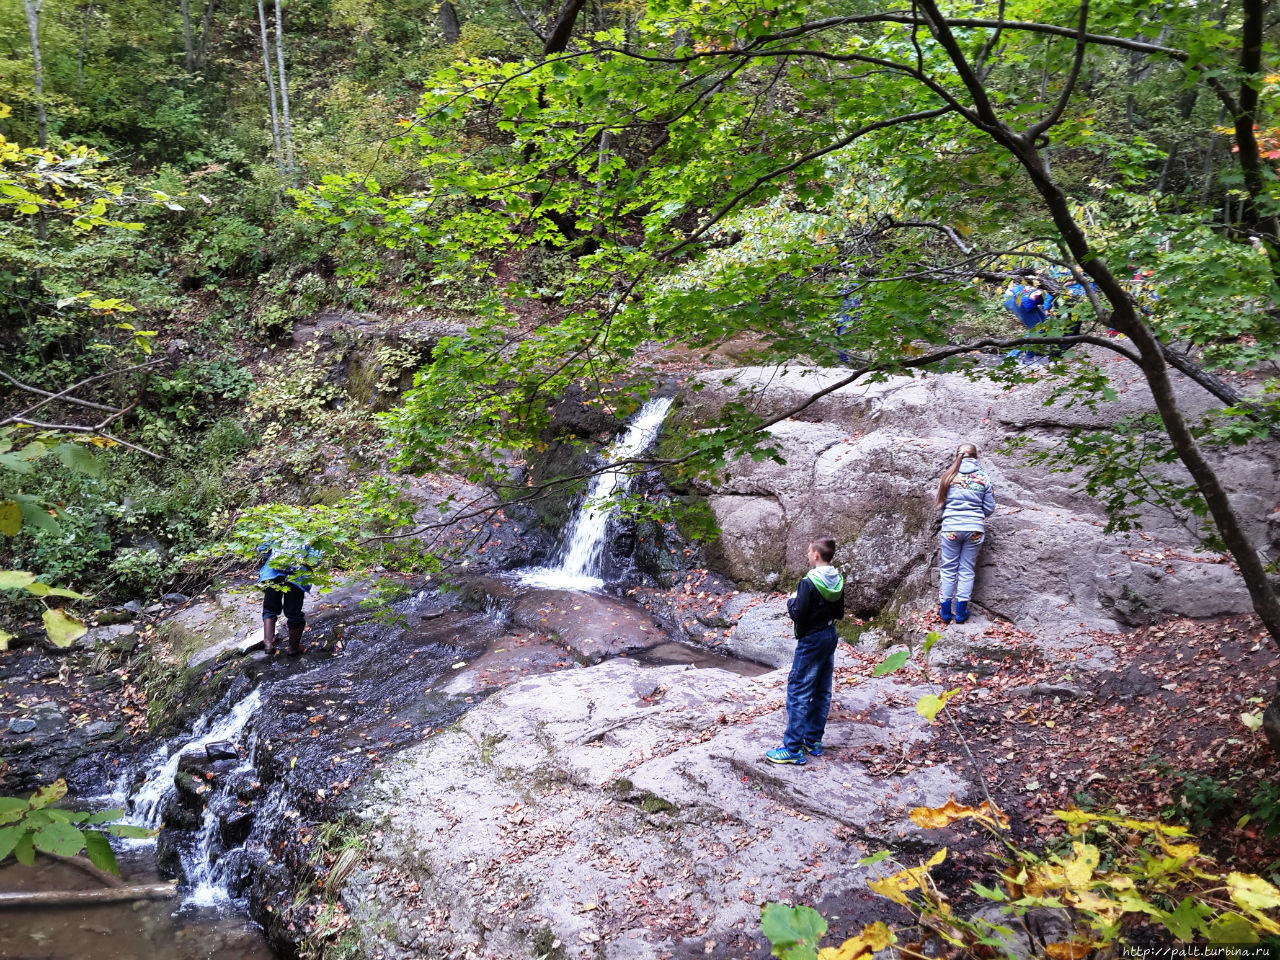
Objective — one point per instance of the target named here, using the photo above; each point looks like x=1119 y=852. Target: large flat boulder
x=628 y=812
x=862 y=463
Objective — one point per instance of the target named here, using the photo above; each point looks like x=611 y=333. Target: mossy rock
x=545 y=945
x=652 y=803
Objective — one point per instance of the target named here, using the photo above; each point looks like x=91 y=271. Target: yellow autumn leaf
x=874 y=937
x=1088 y=900
x=1079 y=870
x=934 y=818
x=1063 y=950
x=1252 y=892
x=1182 y=852
x=931 y=704
x=896 y=886
x=62 y=628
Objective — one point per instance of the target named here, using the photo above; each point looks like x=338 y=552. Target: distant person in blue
x=283 y=586
x=966 y=497
x=850 y=311
x=1033 y=307
x=815 y=607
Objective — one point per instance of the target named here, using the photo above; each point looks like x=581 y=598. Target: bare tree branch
x=51 y=397
x=1064 y=96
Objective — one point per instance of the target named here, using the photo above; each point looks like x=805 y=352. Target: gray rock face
x=764 y=633
x=628 y=812
x=862 y=465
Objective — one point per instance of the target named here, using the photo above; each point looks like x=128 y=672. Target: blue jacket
x=970 y=499
x=1030 y=305
x=298 y=577
x=819 y=599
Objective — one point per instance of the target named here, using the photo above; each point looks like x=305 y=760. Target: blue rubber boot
x=962 y=611
x=944 y=610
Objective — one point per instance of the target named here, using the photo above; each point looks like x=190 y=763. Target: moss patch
x=545 y=946
x=652 y=803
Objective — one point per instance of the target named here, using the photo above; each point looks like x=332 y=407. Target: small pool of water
x=556 y=578
x=144 y=930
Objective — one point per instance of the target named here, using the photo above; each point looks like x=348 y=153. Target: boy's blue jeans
x=959 y=558
x=809 y=688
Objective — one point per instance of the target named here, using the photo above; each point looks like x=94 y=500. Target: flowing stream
x=208 y=924
x=148 y=802
x=578 y=560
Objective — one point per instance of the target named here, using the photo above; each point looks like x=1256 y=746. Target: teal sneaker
x=783 y=755
x=813 y=749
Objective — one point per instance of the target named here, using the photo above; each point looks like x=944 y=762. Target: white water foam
x=578 y=566
x=148 y=802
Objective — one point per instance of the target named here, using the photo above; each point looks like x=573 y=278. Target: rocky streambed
x=504 y=770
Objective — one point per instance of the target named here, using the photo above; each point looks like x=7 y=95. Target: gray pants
x=959 y=557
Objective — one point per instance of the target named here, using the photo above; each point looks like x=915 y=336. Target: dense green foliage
x=575 y=182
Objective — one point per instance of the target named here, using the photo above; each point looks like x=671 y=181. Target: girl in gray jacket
x=967 y=499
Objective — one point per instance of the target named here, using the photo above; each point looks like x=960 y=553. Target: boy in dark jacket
x=815 y=606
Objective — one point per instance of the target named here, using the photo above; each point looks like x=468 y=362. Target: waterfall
x=577 y=565
x=148 y=802
x=199 y=861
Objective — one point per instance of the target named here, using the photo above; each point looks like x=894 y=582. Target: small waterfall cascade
x=200 y=860
x=206 y=862
x=582 y=547
x=148 y=802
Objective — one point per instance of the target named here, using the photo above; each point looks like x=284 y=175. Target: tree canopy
x=713 y=169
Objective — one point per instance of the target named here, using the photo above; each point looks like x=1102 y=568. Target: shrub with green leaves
x=33 y=824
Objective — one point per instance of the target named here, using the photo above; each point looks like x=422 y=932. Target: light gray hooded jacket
x=970 y=500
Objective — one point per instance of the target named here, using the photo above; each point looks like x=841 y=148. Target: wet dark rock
x=175 y=598
x=244 y=785
x=176 y=814
x=271 y=887
x=190 y=793
x=49 y=718
x=105 y=681
x=659 y=551
x=125 y=644
x=40 y=667
x=133 y=606
x=221 y=750
x=234 y=820
x=100 y=728
x=169 y=854
x=115 y=615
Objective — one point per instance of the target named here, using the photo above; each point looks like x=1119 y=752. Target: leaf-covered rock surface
x=628 y=812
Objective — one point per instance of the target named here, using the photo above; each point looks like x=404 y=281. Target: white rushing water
x=148 y=802
x=577 y=565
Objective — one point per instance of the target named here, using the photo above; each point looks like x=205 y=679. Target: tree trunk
x=42 y=119
x=59 y=898
x=562 y=30
x=449 y=22
x=189 y=60
x=271 y=89
x=203 y=49
x=37 y=66
x=1125 y=319
x=286 y=127
x=1245 y=119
